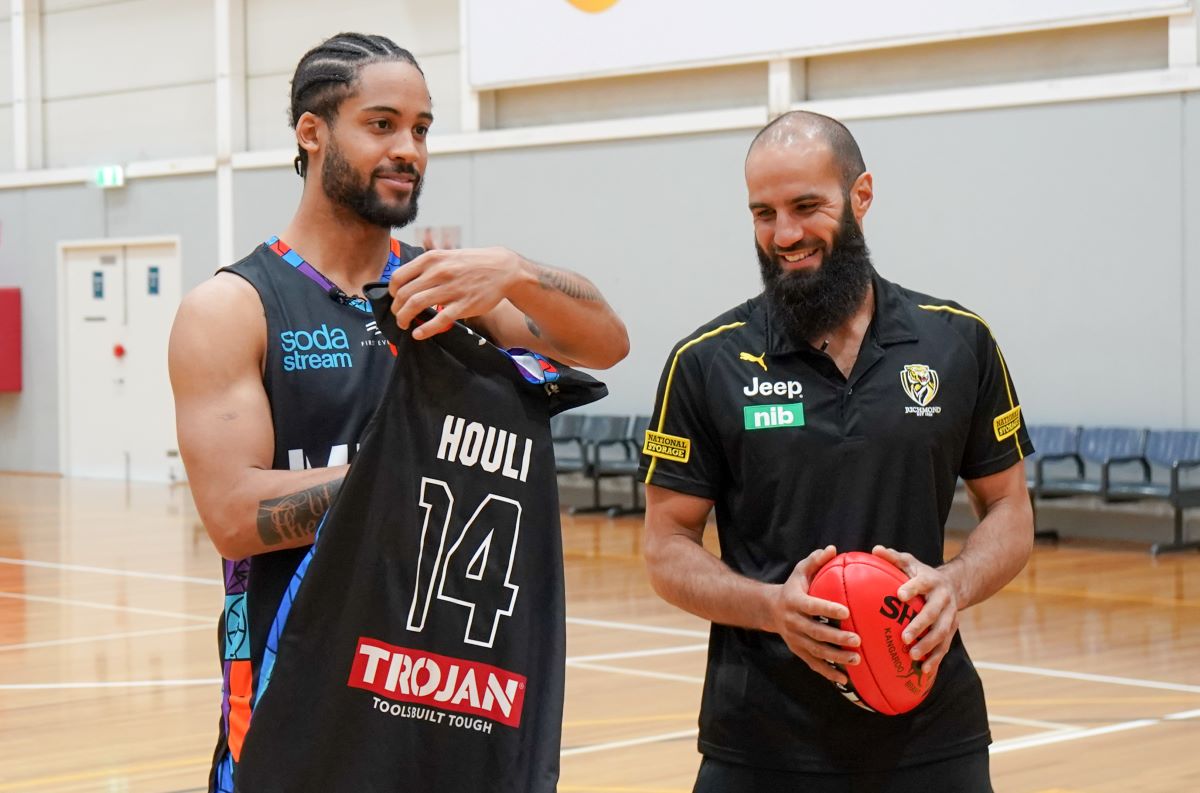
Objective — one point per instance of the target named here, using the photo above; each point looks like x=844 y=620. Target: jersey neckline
x=285 y=252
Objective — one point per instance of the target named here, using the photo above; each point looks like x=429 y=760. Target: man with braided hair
x=277 y=363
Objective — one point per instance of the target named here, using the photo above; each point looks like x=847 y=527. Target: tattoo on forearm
x=570 y=284
x=295 y=515
x=533 y=327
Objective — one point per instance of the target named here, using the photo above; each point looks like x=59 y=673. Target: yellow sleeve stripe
x=662 y=414
x=1000 y=355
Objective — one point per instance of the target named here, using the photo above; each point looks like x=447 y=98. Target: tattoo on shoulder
x=295 y=515
x=570 y=284
x=533 y=327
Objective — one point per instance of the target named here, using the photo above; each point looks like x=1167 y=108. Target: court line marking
x=1046 y=725
x=631 y=626
x=635 y=672
x=1061 y=736
x=100 y=773
x=1091 y=678
x=92 y=684
x=106 y=607
x=83 y=568
x=104 y=637
x=687 y=648
x=1031 y=741
x=604 y=747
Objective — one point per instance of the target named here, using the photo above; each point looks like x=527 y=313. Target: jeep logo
x=790 y=389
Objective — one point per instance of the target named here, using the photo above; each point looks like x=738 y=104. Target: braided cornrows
x=327 y=74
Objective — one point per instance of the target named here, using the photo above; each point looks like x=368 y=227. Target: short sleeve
x=681 y=450
x=998 y=436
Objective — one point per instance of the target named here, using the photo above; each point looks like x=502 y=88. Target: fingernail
x=855 y=641
x=854 y=660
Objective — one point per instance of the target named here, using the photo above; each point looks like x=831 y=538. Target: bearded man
x=834 y=412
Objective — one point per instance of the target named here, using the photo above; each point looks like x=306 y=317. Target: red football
x=887 y=680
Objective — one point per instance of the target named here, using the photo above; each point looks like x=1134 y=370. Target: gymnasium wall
x=6 y=92
x=1071 y=227
x=34 y=222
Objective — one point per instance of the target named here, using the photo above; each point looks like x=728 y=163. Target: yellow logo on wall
x=593 y=6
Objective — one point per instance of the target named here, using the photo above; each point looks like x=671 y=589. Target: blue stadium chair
x=1051 y=443
x=628 y=466
x=599 y=435
x=1103 y=446
x=1177 y=451
x=569 y=454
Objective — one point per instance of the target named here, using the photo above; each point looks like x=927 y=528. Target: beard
x=809 y=305
x=343 y=187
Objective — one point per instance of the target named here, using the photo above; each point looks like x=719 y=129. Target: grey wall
x=1189 y=214
x=32 y=224
x=127 y=80
x=1060 y=225
x=1073 y=229
x=1063 y=226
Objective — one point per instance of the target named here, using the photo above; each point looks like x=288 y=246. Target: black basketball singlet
x=326 y=368
x=421 y=644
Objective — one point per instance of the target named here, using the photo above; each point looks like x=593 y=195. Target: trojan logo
x=438 y=681
x=758 y=359
x=919 y=382
x=593 y=6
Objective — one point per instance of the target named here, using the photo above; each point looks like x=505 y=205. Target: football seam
x=863 y=657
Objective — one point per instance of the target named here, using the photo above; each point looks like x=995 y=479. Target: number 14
x=479 y=580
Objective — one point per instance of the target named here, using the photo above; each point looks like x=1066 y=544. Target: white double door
x=119 y=420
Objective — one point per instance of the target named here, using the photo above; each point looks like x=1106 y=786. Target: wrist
x=957 y=574
x=522 y=275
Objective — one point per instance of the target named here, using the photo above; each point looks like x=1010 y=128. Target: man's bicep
x=987 y=491
x=223 y=416
x=671 y=512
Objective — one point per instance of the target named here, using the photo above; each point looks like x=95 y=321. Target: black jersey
x=325 y=370
x=796 y=457
x=421 y=646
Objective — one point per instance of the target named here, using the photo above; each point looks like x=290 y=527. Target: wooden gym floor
x=108 y=677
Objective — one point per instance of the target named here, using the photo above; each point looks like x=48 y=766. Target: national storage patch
x=1007 y=424
x=667 y=447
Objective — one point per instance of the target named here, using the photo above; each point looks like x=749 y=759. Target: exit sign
x=109 y=176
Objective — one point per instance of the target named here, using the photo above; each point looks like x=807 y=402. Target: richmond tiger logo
x=919 y=382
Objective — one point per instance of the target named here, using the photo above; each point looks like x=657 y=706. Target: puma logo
x=758 y=359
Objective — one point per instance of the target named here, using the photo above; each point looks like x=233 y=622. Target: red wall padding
x=10 y=338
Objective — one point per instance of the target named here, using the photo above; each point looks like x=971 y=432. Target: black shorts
x=965 y=774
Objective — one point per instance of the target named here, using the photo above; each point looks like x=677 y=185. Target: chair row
x=600 y=447
x=1128 y=464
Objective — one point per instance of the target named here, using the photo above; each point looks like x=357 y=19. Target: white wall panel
x=6 y=138
x=143 y=125
x=268 y=101
x=526 y=41
x=633 y=96
x=279 y=32
x=126 y=46
x=6 y=86
x=267 y=113
x=442 y=77
x=1189 y=213
x=1097 y=49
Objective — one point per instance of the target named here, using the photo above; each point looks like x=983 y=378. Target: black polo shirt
x=796 y=457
